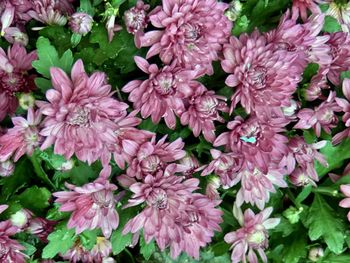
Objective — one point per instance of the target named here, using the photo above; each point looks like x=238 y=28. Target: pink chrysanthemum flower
x=81 y=23
x=302 y=6
x=192 y=32
x=303 y=40
x=304 y=155
x=301 y=177
x=202 y=110
x=150 y=157
x=23 y=138
x=340 y=50
x=102 y=249
x=160 y=96
x=317 y=84
x=10 y=248
x=226 y=166
x=258 y=141
x=345 y=105
x=252 y=236
x=41 y=227
x=78 y=253
x=173 y=215
x=14 y=77
x=345 y=189
x=322 y=117
x=191 y=165
x=14 y=35
x=93 y=205
x=80 y=115
x=260 y=75
x=257 y=186
x=136 y=20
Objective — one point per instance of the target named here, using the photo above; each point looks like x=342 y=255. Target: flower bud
x=292 y=214
x=234 y=10
x=20 y=218
x=6 y=168
x=26 y=101
x=316 y=253
x=81 y=23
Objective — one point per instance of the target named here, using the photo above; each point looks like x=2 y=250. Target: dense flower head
x=252 y=236
x=151 y=157
x=191 y=31
x=92 y=205
x=302 y=6
x=260 y=75
x=160 y=96
x=173 y=216
x=14 y=77
x=303 y=155
x=258 y=141
x=10 y=249
x=302 y=40
x=226 y=166
x=80 y=115
x=136 y=20
x=81 y=23
x=339 y=43
x=322 y=117
x=202 y=109
x=345 y=106
x=23 y=138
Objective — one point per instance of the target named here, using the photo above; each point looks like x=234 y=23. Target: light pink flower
x=226 y=166
x=14 y=77
x=345 y=189
x=23 y=138
x=160 y=96
x=340 y=51
x=192 y=32
x=136 y=20
x=14 y=12
x=80 y=115
x=322 y=117
x=202 y=109
x=257 y=140
x=303 y=40
x=317 y=84
x=173 y=215
x=14 y=35
x=260 y=75
x=78 y=253
x=302 y=6
x=102 y=249
x=345 y=105
x=81 y=23
x=191 y=165
x=252 y=236
x=303 y=155
x=257 y=186
x=151 y=157
x=41 y=227
x=92 y=205
x=112 y=27
x=10 y=248
x=7 y=168
x=301 y=177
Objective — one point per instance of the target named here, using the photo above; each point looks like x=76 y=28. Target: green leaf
x=345 y=75
x=304 y=194
x=322 y=222
x=43 y=84
x=88 y=238
x=118 y=240
x=220 y=248
x=86 y=7
x=148 y=125
x=332 y=258
x=75 y=39
x=55 y=214
x=54 y=160
x=29 y=249
x=66 y=61
x=147 y=249
x=331 y=25
x=295 y=246
x=60 y=241
x=35 y=199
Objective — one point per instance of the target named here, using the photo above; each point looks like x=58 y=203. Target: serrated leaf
x=331 y=25
x=88 y=238
x=332 y=258
x=322 y=222
x=66 y=61
x=86 y=7
x=295 y=246
x=60 y=241
x=43 y=84
x=35 y=199
x=147 y=249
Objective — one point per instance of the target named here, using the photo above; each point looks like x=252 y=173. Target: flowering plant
x=174 y=131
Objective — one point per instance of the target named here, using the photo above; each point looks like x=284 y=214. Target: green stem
x=292 y=198
x=327 y=191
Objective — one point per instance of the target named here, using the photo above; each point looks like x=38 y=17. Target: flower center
x=258 y=77
x=80 y=117
x=164 y=83
x=151 y=164
x=250 y=133
x=159 y=199
x=135 y=20
x=207 y=105
x=31 y=137
x=256 y=238
x=103 y=199
x=192 y=32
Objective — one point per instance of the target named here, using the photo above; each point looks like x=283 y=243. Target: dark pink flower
x=322 y=117
x=150 y=157
x=256 y=139
x=14 y=77
x=257 y=186
x=202 y=109
x=302 y=6
x=192 y=32
x=81 y=23
x=260 y=75
x=345 y=105
x=226 y=166
x=14 y=12
x=252 y=236
x=22 y=139
x=80 y=115
x=10 y=248
x=303 y=155
x=92 y=205
x=173 y=215
x=160 y=96
x=340 y=51
x=136 y=20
